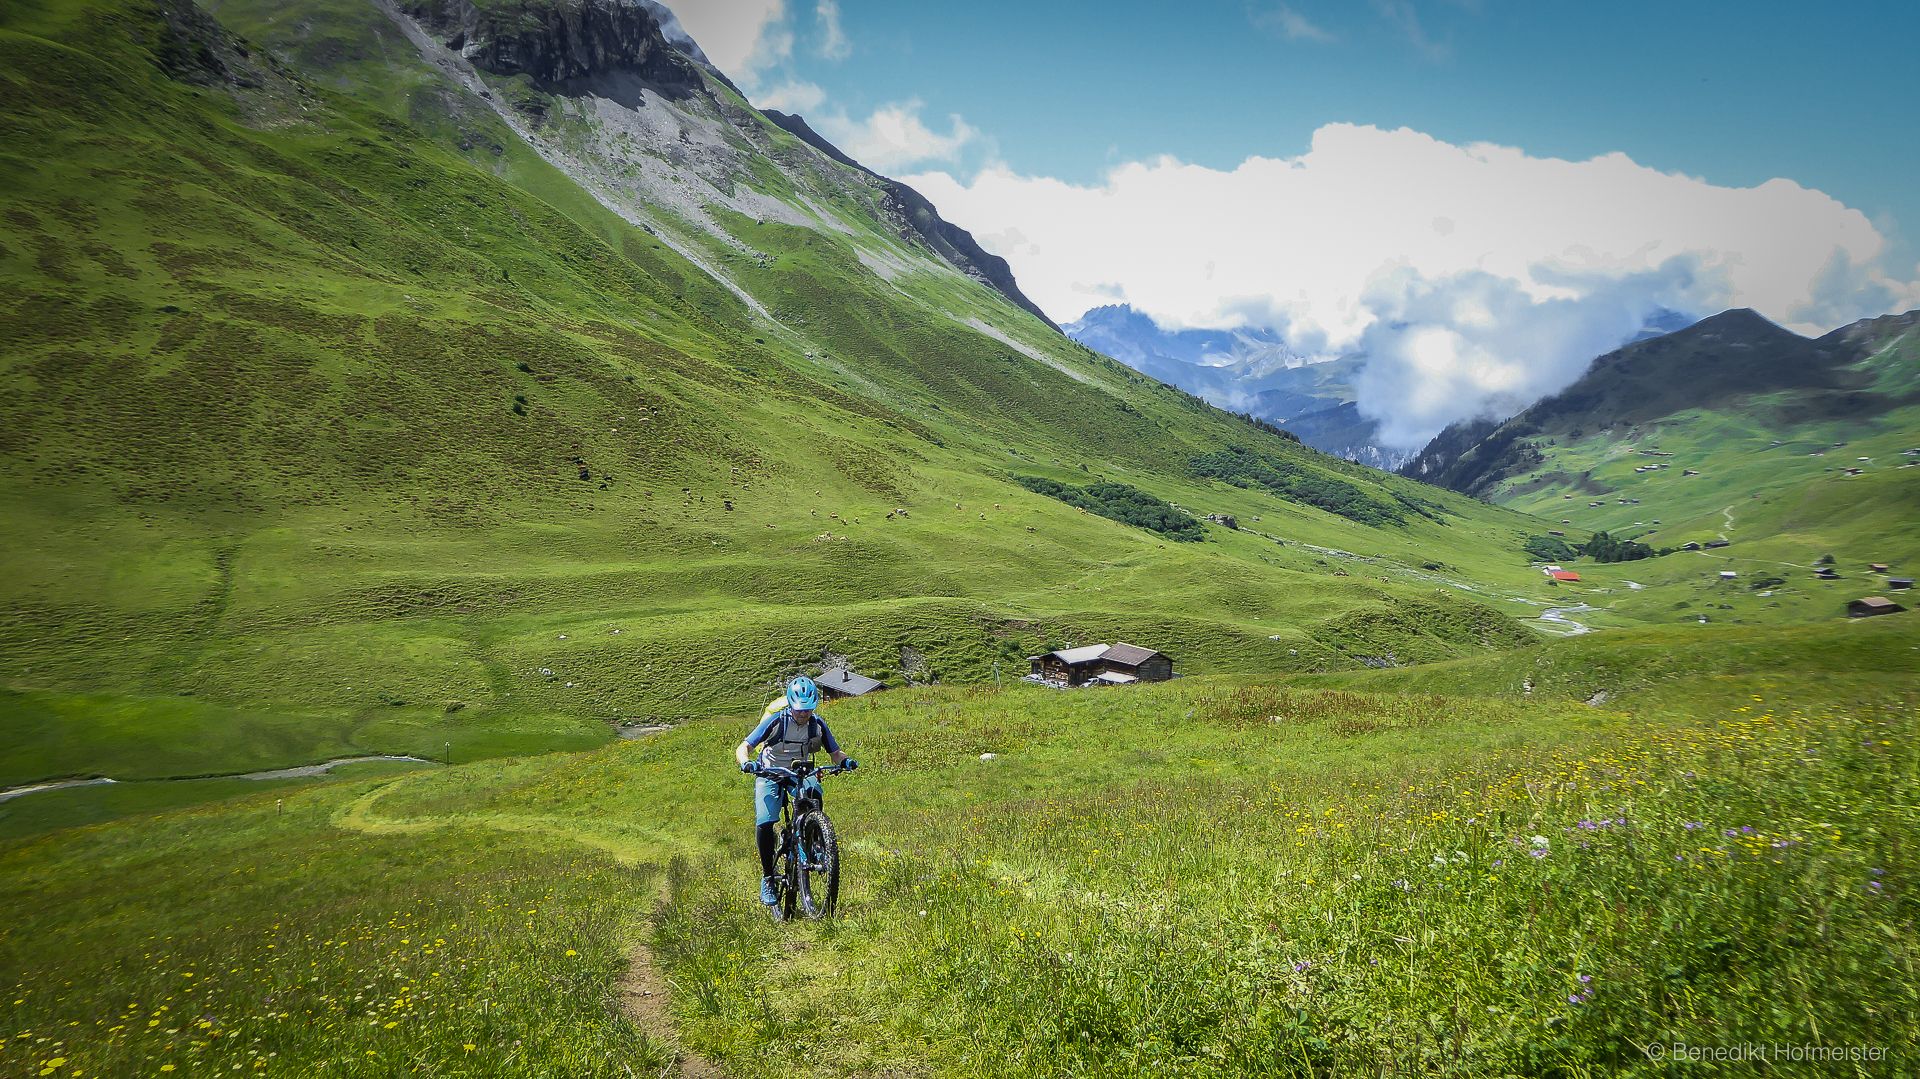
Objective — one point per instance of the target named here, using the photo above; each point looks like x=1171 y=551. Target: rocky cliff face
x=640 y=159
x=567 y=46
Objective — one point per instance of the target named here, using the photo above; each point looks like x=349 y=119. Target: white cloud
x=833 y=43
x=1371 y=227
x=1282 y=19
x=894 y=137
x=794 y=95
x=741 y=37
x=1476 y=344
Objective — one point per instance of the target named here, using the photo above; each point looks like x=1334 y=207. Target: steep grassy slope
x=349 y=410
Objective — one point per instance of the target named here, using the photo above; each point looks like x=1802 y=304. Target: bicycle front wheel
x=820 y=870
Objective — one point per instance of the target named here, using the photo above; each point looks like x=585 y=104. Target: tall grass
x=1744 y=881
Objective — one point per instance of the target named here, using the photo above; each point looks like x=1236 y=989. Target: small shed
x=1711 y=544
x=1826 y=573
x=1872 y=605
x=1070 y=666
x=1899 y=584
x=1728 y=575
x=1877 y=567
x=1137 y=663
x=845 y=683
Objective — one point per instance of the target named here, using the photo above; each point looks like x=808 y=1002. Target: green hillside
x=1733 y=430
x=360 y=402
x=531 y=421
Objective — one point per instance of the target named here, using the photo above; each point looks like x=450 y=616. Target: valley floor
x=1458 y=868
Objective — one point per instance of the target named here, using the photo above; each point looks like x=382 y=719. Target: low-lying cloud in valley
x=1476 y=278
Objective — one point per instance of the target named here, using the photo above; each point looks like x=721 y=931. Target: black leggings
x=763 y=834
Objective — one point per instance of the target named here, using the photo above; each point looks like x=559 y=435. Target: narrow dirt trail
x=644 y=993
x=646 y=999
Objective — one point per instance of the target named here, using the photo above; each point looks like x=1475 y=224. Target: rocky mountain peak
x=568 y=46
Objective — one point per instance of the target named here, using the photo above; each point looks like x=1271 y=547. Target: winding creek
x=1558 y=617
x=303 y=771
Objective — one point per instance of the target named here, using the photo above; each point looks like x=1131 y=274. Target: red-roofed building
x=1563 y=575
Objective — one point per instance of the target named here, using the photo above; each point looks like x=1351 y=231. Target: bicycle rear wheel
x=820 y=871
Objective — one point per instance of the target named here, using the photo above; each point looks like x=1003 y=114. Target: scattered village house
x=1872 y=605
x=1563 y=575
x=1899 y=583
x=845 y=683
x=1098 y=664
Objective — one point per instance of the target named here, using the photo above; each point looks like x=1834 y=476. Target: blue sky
x=1479 y=195
x=1734 y=93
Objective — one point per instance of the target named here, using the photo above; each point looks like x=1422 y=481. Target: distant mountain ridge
x=1734 y=359
x=1250 y=370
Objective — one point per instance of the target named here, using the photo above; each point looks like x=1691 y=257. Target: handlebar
x=790 y=776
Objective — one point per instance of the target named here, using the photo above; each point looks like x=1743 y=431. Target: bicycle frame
x=798 y=797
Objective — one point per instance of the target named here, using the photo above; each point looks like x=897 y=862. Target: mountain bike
x=807 y=864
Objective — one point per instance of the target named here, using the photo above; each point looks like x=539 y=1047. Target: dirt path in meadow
x=645 y=998
x=644 y=993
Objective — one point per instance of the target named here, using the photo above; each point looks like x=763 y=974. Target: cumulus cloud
x=1371 y=228
x=894 y=137
x=794 y=95
x=1284 y=20
x=832 y=43
x=740 y=37
x=1476 y=344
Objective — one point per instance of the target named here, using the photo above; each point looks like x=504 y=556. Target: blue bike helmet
x=802 y=694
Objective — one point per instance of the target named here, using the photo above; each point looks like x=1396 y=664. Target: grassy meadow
x=340 y=419
x=1219 y=875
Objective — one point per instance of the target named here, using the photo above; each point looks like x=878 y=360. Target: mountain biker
x=790 y=731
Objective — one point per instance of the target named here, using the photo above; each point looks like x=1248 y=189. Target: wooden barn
x=1068 y=666
x=1098 y=664
x=1136 y=663
x=1872 y=605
